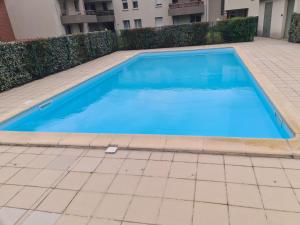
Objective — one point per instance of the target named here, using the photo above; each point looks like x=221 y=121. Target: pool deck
x=273 y=63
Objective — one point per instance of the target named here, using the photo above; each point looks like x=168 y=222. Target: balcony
x=102 y=16
x=185 y=7
x=78 y=17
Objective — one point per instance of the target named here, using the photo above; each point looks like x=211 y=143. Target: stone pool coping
x=199 y=144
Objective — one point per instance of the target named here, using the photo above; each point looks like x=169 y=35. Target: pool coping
x=199 y=144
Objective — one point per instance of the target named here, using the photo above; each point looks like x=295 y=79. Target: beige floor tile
x=72 y=152
x=294 y=177
x=24 y=176
x=185 y=157
x=175 y=212
x=22 y=160
x=279 y=199
x=47 y=178
x=41 y=161
x=9 y=216
x=244 y=195
x=57 y=201
x=96 y=221
x=7 y=172
x=84 y=203
x=207 y=213
x=113 y=207
x=110 y=165
x=17 y=149
x=98 y=182
x=208 y=191
x=237 y=160
x=27 y=197
x=4 y=148
x=127 y=223
x=35 y=150
x=157 y=168
x=7 y=192
x=139 y=155
x=120 y=154
x=271 y=177
x=53 y=151
x=73 y=181
x=213 y=159
x=240 y=174
x=163 y=156
x=210 y=172
x=72 y=220
x=143 y=210
x=87 y=164
x=151 y=187
x=95 y=153
x=133 y=167
x=282 y=218
x=6 y=158
x=37 y=218
x=183 y=170
x=289 y=163
x=297 y=192
x=124 y=184
x=180 y=189
x=247 y=216
x=266 y=162
x=62 y=162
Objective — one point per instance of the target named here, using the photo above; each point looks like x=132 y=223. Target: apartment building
x=275 y=17
x=154 y=13
x=241 y=8
x=6 y=32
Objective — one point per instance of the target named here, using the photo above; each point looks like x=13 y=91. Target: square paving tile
x=41 y=161
x=96 y=221
x=6 y=157
x=240 y=174
x=95 y=153
x=247 y=216
x=98 y=182
x=210 y=172
x=87 y=164
x=57 y=201
x=157 y=168
x=266 y=162
x=84 y=203
x=244 y=195
x=6 y=173
x=175 y=212
x=294 y=177
x=151 y=186
x=46 y=178
x=38 y=218
x=139 y=155
x=124 y=184
x=163 y=156
x=110 y=165
x=237 y=160
x=279 y=199
x=22 y=160
x=271 y=177
x=117 y=155
x=72 y=220
x=290 y=163
x=143 y=210
x=7 y=192
x=207 y=213
x=185 y=157
x=62 y=162
x=183 y=170
x=282 y=218
x=113 y=207
x=209 y=191
x=73 y=180
x=214 y=159
x=180 y=189
x=133 y=167
x=24 y=176
x=9 y=216
x=27 y=197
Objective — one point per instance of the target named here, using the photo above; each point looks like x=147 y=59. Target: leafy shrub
x=214 y=37
x=294 y=31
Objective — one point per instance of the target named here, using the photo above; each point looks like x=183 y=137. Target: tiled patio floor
x=47 y=186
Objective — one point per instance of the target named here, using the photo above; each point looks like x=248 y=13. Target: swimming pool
x=201 y=93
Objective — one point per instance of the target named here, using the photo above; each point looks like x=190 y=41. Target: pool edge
x=211 y=145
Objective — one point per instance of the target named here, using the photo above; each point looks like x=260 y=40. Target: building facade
x=275 y=17
x=237 y=8
x=6 y=31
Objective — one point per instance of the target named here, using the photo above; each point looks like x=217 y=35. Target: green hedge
x=23 y=62
x=233 y=30
x=294 y=31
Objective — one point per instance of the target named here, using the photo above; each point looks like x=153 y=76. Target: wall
x=214 y=10
x=6 y=32
x=32 y=19
x=297 y=6
x=252 y=5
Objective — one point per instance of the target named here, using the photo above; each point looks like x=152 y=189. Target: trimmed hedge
x=23 y=62
x=294 y=31
x=226 y=31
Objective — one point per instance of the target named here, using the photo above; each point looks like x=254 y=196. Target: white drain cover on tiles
x=111 y=150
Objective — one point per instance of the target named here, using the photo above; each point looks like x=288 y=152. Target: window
x=158 y=2
x=195 y=18
x=237 y=13
x=81 y=28
x=222 y=7
x=68 y=29
x=125 y=4
x=104 y=6
x=158 y=21
x=135 y=4
x=138 y=23
x=126 y=24
x=76 y=5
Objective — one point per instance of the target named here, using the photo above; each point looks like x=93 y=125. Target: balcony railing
x=186 y=8
x=87 y=16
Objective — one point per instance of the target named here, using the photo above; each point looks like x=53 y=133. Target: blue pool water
x=205 y=93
